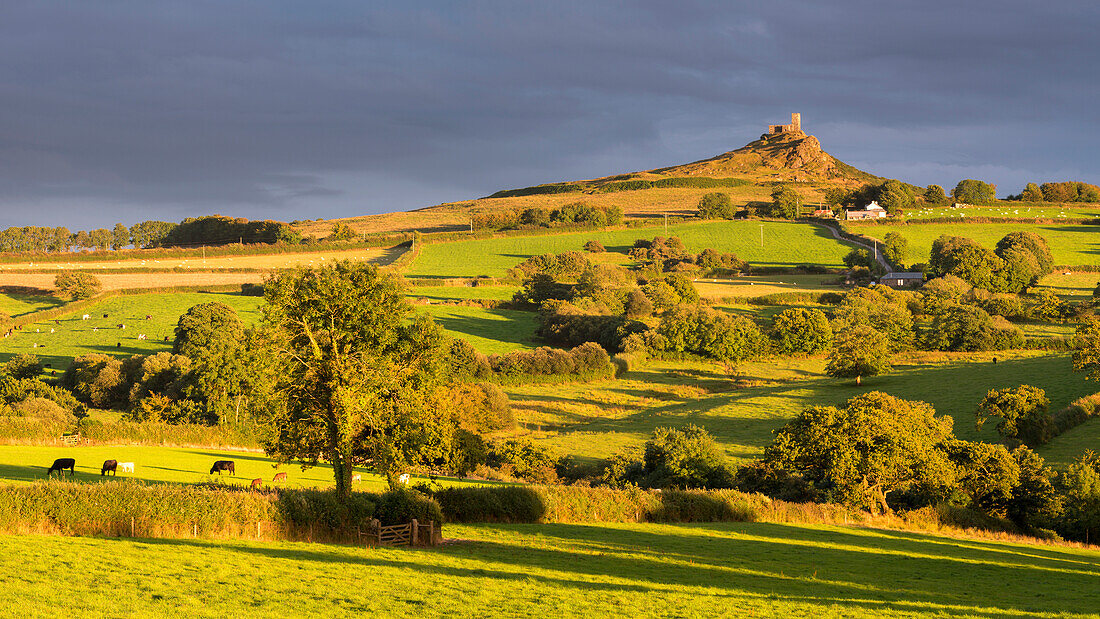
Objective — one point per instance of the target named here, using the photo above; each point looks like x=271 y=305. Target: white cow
x=357 y=477
x=126 y=467
x=404 y=478
x=84 y=317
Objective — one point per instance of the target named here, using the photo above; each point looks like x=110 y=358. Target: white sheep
x=84 y=317
x=357 y=477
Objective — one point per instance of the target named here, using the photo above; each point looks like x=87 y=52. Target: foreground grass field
x=1070 y=244
x=784 y=244
x=595 y=420
x=650 y=570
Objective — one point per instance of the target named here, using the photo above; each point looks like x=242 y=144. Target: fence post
x=131 y=526
x=414 y=533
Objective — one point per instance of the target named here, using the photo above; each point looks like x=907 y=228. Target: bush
x=402 y=505
x=510 y=504
x=74 y=285
x=24 y=365
x=594 y=247
x=716 y=205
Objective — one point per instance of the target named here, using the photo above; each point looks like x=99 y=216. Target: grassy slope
x=16 y=304
x=491 y=331
x=597 y=419
x=784 y=244
x=1070 y=244
x=709 y=570
x=25 y=464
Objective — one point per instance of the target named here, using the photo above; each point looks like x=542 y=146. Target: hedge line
x=132 y=508
x=1078 y=412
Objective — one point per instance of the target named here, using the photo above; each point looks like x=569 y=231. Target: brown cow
x=256 y=483
x=279 y=477
x=109 y=466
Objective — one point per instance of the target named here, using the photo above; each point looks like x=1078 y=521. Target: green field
x=462 y=293
x=1074 y=285
x=636 y=570
x=1008 y=210
x=74 y=337
x=784 y=244
x=1070 y=244
x=594 y=420
x=16 y=304
x=22 y=464
x=491 y=331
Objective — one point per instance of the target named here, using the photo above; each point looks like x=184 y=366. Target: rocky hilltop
x=792 y=155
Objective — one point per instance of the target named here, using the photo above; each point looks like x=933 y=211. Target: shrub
x=76 y=285
x=801 y=331
x=594 y=247
x=716 y=205
x=685 y=457
x=402 y=505
x=510 y=504
x=24 y=365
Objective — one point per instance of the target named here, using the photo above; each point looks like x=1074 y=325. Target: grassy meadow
x=1007 y=210
x=1070 y=244
x=19 y=303
x=630 y=570
x=784 y=244
x=491 y=331
x=595 y=420
x=24 y=464
x=74 y=337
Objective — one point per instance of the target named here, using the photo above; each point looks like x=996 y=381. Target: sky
x=115 y=111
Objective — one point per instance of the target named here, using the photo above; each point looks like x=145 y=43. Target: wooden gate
x=409 y=534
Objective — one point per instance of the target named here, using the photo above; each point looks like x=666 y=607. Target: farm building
x=871 y=211
x=902 y=280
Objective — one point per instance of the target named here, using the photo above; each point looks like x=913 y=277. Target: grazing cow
x=126 y=467
x=148 y=316
x=279 y=477
x=141 y=336
x=357 y=477
x=106 y=315
x=60 y=465
x=166 y=338
x=95 y=329
x=118 y=344
x=84 y=317
x=57 y=322
x=404 y=478
x=256 y=483
x=48 y=365
x=109 y=466
x=224 y=465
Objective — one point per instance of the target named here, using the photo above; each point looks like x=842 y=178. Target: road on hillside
x=874 y=250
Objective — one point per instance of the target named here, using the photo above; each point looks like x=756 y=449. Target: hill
x=784 y=154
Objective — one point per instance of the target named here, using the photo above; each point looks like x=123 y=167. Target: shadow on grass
x=781 y=564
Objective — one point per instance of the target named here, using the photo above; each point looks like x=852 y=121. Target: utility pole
x=761 y=235
x=666 y=224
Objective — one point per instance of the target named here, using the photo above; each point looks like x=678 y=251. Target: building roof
x=906 y=275
x=873 y=206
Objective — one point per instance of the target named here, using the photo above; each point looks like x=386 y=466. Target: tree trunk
x=858 y=380
x=342 y=470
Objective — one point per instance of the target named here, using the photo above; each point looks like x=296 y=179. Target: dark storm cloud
x=127 y=111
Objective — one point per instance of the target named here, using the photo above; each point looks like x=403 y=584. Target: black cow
x=109 y=466
x=224 y=465
x=61 y=464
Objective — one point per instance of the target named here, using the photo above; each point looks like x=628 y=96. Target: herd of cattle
x=61 y=465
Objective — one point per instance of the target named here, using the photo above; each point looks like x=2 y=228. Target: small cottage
x=902 y=280
x=871 y=211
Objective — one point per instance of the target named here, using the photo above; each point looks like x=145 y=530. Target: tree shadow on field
x=762 y=561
